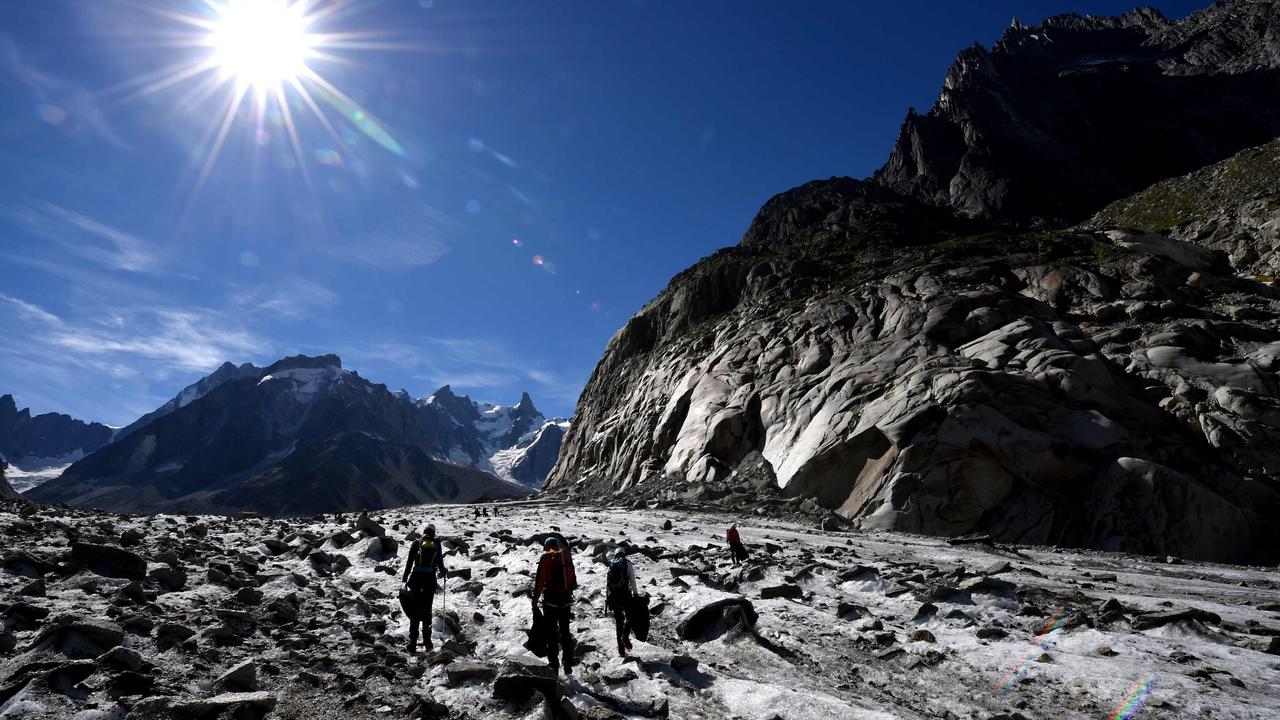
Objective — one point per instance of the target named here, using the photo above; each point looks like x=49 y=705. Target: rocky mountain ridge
x=300 y=436
x=47 y=438
x=1059 y=118
x=950 y=364
x=515 y=442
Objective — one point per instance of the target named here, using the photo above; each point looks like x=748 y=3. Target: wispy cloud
x=174 y=339
x=84 y=236
x=30 y=312
x=177 y=339
x=411 y=241
x=289 y=299
x=82 y=112
x=392 y=252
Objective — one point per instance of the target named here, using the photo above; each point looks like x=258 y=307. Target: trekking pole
x=444 y=585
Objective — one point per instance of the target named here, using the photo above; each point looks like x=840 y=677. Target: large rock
x=460 y=672
x=80 y=639
x=246 y=704
x=717 y=618
x=108 y=561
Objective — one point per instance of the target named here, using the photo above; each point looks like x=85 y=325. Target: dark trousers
x=738 y=551
x=620 y=624
x=423 y=586
x=559 y=638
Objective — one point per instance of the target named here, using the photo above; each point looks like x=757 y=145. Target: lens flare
x=1019 y=670
x=1135 y=698
x=537 y=260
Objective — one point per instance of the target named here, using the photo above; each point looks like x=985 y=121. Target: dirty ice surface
x=864 y=626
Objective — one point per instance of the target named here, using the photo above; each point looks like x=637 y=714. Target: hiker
x=737 y=550
x=620 y=588
x=555 y=584
x=425 y=563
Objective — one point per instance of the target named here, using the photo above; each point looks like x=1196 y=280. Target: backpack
x=427 y=554
x=616 y=581
x=560 y=575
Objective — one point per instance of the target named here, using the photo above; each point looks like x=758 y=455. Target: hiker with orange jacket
x=554 y=584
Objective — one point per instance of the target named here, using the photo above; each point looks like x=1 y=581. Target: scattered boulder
x=923 y=635
x=121 y=657
x=1146 y=621
x=108 y=561
x=786 y=590
x=80 y=639
x=381 y=549
x=242 y=677
x=369 y=527
x=461 y=672
x=712 y=621
x=851 y=611
x=926 y=610
x=169 y=578
x=244 y=704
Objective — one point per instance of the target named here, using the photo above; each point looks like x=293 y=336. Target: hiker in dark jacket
x=425 y=564
x=554 y=584
x=620 y=587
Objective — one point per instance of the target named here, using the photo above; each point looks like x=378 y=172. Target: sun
x=261 y=43
x=266 y=58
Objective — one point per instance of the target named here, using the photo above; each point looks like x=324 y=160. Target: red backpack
x=561 y=577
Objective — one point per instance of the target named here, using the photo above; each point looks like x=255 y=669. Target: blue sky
x=617 y=142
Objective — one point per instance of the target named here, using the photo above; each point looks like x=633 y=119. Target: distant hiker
x=620 y=588
x=737 y=550
x=555 y=584
x=425 y=564
x=477 y=513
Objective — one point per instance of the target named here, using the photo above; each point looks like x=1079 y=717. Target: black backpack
x=616 y=581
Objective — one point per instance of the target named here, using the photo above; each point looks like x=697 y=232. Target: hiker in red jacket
x=555 y=584
x=737 y=550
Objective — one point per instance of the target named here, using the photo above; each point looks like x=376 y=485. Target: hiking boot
x=413 y=647
x=427 y=646
x=622 y=650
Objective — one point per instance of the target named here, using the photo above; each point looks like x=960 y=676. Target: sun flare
x=263 y=43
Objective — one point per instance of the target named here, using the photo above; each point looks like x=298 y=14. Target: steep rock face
x=6 y=490
x=272 y=431
x=45 y=437
x=1059 y=118
x=1095 y=387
